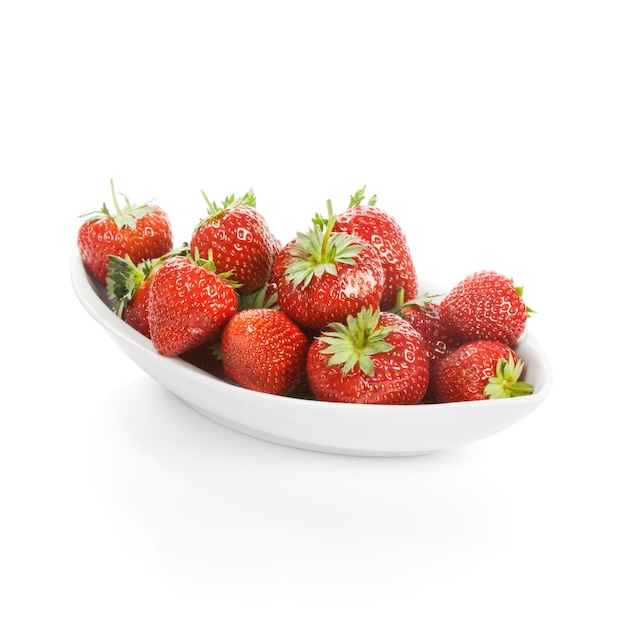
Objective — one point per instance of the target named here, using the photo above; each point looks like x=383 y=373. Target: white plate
x=323 y=426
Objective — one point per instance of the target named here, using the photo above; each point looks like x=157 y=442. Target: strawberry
x=128 y=287
x=374 y=358
x=423 y=314
x=371 y=223
x=141 y=232
x=208 y=356
x=189 y=304
x=478 y=370
x=240 y=239
x=264 y=350
x=485 y=305
x=323 y=276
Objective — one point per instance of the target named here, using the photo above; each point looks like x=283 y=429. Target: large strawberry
x=208 y=355
x=478 y=370
x=371 y=223
x=375 y=358
x=189 y=304
x=323 y=276
x=240 y=239
x=264 y=350
x=139 y=231
x=423 y=314
x=485 y=305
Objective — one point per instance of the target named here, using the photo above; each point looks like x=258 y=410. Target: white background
x=493 y=131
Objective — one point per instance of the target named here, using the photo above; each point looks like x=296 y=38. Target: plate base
x=291 y=443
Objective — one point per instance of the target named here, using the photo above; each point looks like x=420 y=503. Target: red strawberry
x=208 y=356
x=189 y=304
x=264 y=350
x=371 y=223
x=423 y=314
x=240 y=239
x=478 y=370
x=141 y=232
x=375 y=358
x=128 y=286
x=485 y=305
x=323 y=276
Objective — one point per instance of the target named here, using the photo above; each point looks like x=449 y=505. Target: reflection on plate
x=322 y=426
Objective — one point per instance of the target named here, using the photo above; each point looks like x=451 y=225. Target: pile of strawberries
x=334 y=314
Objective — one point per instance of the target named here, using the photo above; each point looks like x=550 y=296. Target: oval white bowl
x=354 y=429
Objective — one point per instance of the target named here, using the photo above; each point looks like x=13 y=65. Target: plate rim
x=90 y=295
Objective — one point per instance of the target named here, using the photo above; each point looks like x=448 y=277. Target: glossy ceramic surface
x=322 y=426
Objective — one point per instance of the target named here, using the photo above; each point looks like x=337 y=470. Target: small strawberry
x=485 y=305
x=189 y=304
x=264 y=350
x=423 y=314
x=371 y=223
x=374 y=358
x=128 y=287
x=478 y=370
x=240 y=239
x=323 y=276
x=141 y=232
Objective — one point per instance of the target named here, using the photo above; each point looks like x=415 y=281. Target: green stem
x=361 y=340
x=399 y=300
x=213 y=210
x=332 y=218
x=117 y=206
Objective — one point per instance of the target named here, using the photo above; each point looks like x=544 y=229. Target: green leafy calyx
x=506 y=383
x=124 y=278
x=354 y=343
x=259 y=299
x=317 y=251
x=123 y=216
x=209 y=264
x=214 y=210
x=419 y=301
x=359 y=196
x=520 y=293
